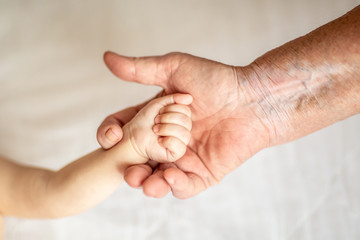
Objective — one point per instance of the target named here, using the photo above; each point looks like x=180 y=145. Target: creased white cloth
x=55 y=91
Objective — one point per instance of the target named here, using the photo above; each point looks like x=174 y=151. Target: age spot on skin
x=316 y=99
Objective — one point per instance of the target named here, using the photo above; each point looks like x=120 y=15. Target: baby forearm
x=87 y=181
x=82 y=184
x=21 y=187
x=40 y=193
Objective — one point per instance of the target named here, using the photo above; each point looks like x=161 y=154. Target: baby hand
x=161 y=130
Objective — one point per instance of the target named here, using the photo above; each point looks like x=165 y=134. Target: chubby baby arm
x=89 y=180
x=160 y=131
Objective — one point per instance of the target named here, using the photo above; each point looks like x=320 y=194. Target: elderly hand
x=226 y=130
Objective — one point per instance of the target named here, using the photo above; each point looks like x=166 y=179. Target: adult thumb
x=144 y=70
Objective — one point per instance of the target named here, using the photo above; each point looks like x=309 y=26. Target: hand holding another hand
x=226 y=131
x=160 y=131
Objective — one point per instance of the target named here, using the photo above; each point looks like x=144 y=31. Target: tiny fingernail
x=156 y=128
x=111 y=135
x=157 y=119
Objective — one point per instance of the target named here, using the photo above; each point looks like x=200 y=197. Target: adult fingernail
x=110 y=135
x=170 y=181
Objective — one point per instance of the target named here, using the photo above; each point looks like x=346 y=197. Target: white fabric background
x=55 y=91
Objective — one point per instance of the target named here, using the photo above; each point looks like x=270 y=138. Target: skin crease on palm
x=294 y=90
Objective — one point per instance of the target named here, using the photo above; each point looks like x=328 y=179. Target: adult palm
x=227 y=128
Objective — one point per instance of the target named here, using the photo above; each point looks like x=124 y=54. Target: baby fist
x=161 y=130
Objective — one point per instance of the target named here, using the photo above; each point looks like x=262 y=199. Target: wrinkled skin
x=291 y=91
x=226 y=131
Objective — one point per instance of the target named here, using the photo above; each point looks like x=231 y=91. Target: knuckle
x=188 y=123
x=183 y=118
x=172 y=118
x=169 y=143
x=187 y=111
x=186 y=136
x=167 y=118
x=164 y=128
x=161 y=129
